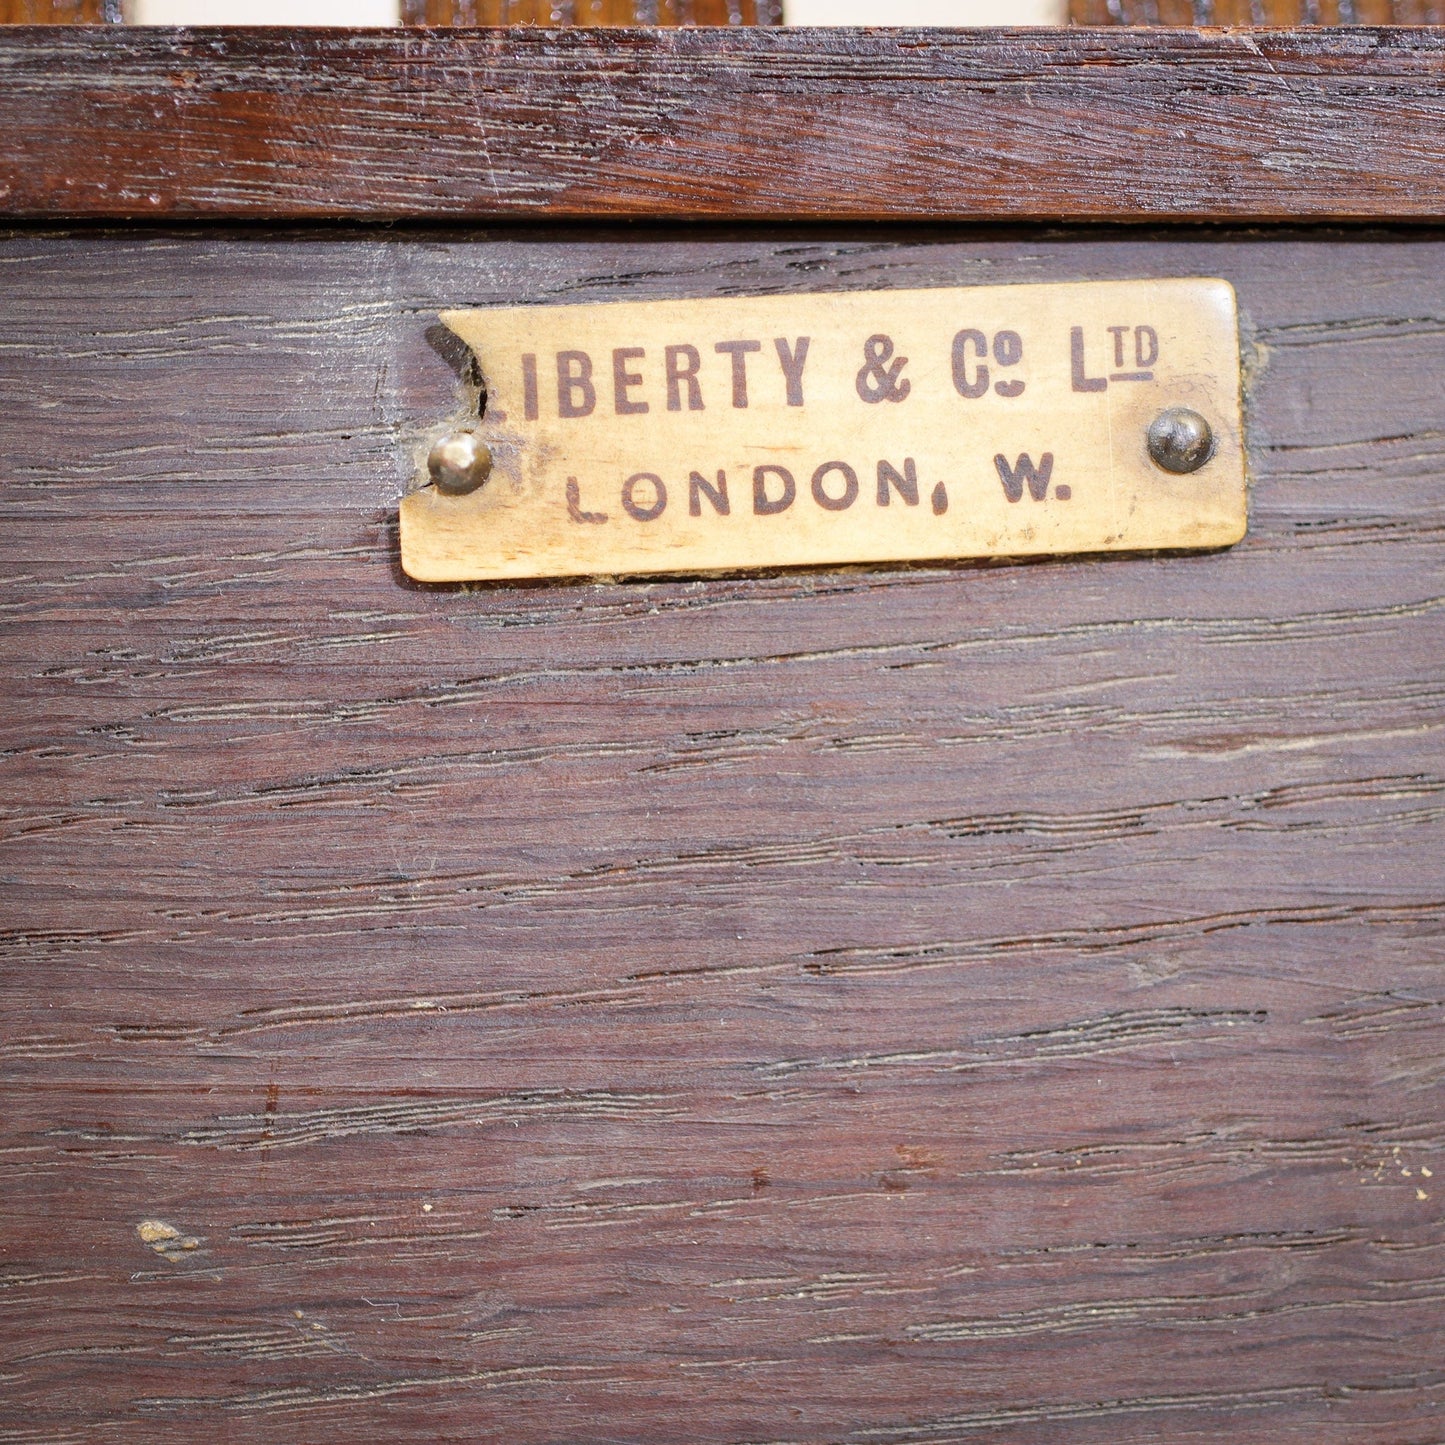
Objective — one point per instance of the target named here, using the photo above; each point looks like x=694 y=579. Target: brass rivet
x=1180 y=440
x=459 y=463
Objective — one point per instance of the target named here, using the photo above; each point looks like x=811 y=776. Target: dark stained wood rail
x=923 y=1005
x=755 y=123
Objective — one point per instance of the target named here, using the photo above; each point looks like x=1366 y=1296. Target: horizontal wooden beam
x=1105 y=124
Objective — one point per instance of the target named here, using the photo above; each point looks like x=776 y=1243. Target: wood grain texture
x=745 y=124
x=952 y=1004
x=1257 y=12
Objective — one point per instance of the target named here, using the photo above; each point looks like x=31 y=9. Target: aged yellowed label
x=706 y=435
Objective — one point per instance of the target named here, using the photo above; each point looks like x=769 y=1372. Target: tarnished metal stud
x=1180 y=440
x=459 y=463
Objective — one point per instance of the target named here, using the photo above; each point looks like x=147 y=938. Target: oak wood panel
x=869 y=1005
x=746 y=124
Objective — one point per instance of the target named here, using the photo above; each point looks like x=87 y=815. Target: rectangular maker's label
x=854 y=427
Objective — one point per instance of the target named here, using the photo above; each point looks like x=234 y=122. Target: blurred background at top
x=389 y=12
x=724 y=12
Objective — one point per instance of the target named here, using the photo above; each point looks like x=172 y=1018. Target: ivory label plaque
x=883 y=426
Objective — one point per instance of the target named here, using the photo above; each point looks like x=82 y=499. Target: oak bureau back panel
x=893 y=1004
x=885 y=1004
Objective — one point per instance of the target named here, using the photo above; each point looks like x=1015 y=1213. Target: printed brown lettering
x=623 y=380
x=792 y=360
x=1146 y=346
x=906 y=481
x=1014 y=478
x=681 y=366
x=639 y=511
x=574 y=505
x=879 y=377
x=1118 y=333
x=1081 y=381
x=1008 y=350
x=576 y=396
x=765 y=506
x=698 y=486
x=739 y=351
x=975 y=386
x=850 y=487
x=529 y=387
